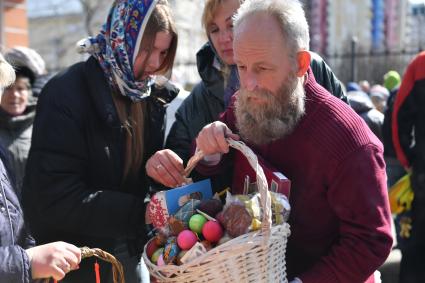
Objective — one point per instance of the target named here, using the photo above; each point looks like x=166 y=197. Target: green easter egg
x=196 y=223
x=156 y=255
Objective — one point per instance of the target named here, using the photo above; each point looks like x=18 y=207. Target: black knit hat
x=25 y=72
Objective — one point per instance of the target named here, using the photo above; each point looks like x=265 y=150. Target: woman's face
x=220 y=30
x=15 y=98
x=154 y=61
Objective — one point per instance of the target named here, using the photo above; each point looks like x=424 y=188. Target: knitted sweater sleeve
x=359 y=198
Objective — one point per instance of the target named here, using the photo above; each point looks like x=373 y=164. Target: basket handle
x=265 y=198
x=262 y=185
x=117 y=269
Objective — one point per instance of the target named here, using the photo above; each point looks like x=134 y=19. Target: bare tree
x=90 y=7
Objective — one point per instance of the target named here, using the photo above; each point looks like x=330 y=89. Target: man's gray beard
x=276 y=118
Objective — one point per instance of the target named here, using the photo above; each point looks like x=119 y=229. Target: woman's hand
x=166 y=167
x=53 y=260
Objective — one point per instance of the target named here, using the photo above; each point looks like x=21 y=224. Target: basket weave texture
x=258 y=256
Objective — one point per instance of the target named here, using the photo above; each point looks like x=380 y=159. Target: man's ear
x=303 y=59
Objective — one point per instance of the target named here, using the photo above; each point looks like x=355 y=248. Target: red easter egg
x=151 y=248
x=186 y=239
x=212 y=231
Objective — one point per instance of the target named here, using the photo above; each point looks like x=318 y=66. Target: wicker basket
x=257 y=256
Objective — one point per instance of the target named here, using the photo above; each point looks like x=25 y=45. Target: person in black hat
x=17 y=113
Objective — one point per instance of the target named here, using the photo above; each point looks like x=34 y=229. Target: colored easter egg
x=171 y=251
x=156 y=255
x=212 y=231
x=151 y=248
x=196 y=223
x=160 y=261
x=186 y=239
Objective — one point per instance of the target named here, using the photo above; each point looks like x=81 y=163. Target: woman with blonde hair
x=96 y=125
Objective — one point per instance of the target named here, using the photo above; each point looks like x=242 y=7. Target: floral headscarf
x=117 y=45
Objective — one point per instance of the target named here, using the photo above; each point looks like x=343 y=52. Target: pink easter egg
x=186 y=239
x=160 y=261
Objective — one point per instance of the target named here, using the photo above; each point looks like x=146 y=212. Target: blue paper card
x=175 y=198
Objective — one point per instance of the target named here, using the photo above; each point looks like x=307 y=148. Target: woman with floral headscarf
x=96 y=125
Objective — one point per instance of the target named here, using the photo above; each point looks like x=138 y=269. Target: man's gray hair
x=289 y=14
x=7 y=74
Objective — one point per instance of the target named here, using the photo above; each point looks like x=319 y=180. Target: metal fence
x=369 y=66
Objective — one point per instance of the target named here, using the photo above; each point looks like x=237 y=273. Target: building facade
x=13 y=23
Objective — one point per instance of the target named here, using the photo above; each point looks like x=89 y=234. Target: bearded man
x=340 y=217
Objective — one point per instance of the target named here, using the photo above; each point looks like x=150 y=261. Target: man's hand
x=166 y=167
x=53 y=260
x=212 y=138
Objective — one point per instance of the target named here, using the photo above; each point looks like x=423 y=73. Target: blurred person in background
x=353 y=86
x=364 y=86
x=408 y=130
x=21 y=56
x=220 y=81
x=17 y=109
x=379 y=96
x=392 y=80
x=20 y=260
x=362 y=104
x=96 y=125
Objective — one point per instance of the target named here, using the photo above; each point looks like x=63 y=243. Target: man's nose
x=250 y=81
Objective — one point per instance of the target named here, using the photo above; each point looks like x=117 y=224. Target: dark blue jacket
x=14 y=238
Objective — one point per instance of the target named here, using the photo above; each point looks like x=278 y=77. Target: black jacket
x=408 y=118
x=73 y=187
x=205 y=102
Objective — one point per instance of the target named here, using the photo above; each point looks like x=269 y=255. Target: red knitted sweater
x=340 y=218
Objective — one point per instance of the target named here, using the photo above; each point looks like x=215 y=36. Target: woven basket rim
x=258 y=236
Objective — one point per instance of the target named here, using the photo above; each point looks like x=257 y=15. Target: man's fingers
x=230 y=134
x=220 y=136
x=212 y=138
